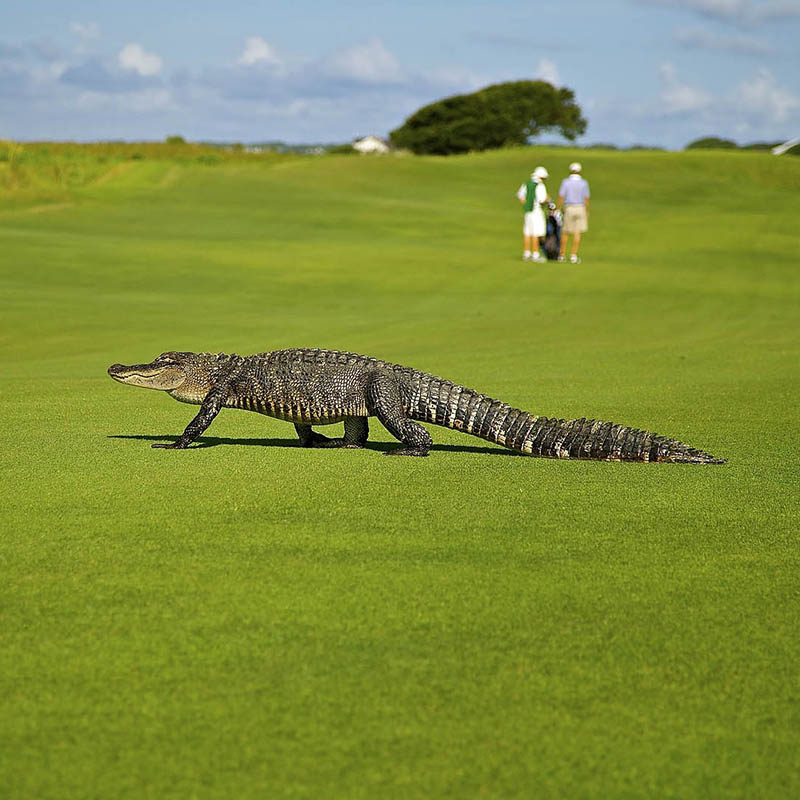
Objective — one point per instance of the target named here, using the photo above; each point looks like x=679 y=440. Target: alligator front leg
x=356 y=431
x=209 y=409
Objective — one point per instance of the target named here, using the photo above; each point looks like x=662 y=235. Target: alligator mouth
x=119 y=372
x=120 y=375
x=164 y=377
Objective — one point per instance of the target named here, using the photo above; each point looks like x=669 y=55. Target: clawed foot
x=318 y=440
x=407 y=451
x=329 y=443
x=170 y=446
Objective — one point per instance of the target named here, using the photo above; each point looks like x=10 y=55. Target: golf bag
x=552 y=237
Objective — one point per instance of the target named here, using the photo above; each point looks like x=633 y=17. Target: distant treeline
x=70 y=165
x=717 y=143
x=53 y=167
x=174 y=148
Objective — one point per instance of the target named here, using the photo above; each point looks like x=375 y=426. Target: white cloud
x=358 y=89
x=546 y=70
x=679 y=98
x=742 y=12
x=735 y=43
x=758 y=108
x=58 y=68
x=729 y=9
x=368 y=62
x=135 y=57
x=456 y=78
x=86 y=32
x=760 y=96
x=257 y=51
x=718 y=9
x=777 y=9
x=150 y=100
x=99 y=76
x=143 y=102
x=45 y=50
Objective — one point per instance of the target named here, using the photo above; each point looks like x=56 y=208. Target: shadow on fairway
x=215 y=441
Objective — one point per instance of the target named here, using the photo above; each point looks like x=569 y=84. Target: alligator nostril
x=114 y=368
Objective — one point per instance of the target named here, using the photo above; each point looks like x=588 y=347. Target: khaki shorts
x=575 y=219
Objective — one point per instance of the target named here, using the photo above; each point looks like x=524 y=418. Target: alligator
x=310 y=387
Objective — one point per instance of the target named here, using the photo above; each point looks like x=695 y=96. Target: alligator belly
x=308 y=416
x=299 y=411
x=303 y=417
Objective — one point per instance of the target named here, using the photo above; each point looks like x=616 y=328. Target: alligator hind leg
x=385 y=402
x=308 y=437
x=356 y=431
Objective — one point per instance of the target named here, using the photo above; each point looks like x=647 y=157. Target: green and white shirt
x=534 y=193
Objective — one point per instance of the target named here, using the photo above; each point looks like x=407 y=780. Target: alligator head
x=188 y=377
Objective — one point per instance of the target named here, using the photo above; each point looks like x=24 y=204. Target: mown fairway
x=251 y=619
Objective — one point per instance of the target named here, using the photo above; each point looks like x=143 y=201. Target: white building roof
x=371 y=144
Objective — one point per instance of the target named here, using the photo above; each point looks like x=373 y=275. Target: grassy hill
x=251 y=619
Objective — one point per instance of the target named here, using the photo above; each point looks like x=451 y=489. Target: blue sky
x=658 y=72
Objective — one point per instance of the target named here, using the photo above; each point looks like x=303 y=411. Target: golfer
x=574 y=194
x=533 y=195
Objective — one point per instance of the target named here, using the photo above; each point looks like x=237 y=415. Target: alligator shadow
x=216 y=441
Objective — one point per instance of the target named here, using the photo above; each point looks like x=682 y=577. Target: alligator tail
x=444 y=403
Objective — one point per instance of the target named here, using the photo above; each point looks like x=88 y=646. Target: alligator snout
x=155 y=375
x=120 y=372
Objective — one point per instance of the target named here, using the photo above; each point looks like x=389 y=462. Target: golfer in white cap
x=574 y=194
x=533 y=195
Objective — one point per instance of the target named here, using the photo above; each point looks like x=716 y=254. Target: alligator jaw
x=163 y=377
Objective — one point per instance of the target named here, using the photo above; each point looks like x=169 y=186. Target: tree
x=712 y=143
x=501 y=115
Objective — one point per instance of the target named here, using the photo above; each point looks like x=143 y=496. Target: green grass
x=251 y=619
